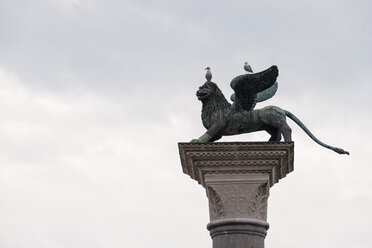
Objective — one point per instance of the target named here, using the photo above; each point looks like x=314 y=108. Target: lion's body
x=220 y=119
x=231 y=122
x=254 y=120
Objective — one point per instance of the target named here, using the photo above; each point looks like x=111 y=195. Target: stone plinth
x=237 y=177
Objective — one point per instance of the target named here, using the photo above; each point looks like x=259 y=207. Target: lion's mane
x=214 y=102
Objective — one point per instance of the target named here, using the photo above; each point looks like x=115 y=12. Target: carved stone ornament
x=237 y=175
x=237 y=196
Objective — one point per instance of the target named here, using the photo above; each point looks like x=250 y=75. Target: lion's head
x=210 y=94
x=206 y=90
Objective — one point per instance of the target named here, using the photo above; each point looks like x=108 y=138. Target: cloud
x=95 y=95
x=75 y=159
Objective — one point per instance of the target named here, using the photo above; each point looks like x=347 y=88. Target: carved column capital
x=237 y=195
x=237 y=177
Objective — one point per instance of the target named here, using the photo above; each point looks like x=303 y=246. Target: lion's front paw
x=195 y=141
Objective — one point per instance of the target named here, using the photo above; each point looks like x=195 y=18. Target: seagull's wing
x=247 y=86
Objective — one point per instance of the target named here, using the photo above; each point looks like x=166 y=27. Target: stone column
x=237 y=177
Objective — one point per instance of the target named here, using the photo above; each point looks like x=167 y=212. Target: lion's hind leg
x=285 y=130
x=275 y=118
x=274 y=132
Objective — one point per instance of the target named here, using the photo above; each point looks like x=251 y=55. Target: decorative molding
x=275 y=158
x=246 y=153
x=236 y=162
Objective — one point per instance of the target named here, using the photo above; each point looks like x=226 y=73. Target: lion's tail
x=298 y=122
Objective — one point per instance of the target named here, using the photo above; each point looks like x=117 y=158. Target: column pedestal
x=237 y=177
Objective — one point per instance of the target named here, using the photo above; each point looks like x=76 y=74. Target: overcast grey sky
x=95 y=95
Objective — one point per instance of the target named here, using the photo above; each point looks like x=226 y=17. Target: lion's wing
x=246 y=87
x=268 y=93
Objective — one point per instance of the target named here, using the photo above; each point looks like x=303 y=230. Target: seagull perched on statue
x=208 y=75
x=248 y=68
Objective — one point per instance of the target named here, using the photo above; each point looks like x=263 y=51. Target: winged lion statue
x=222 y=118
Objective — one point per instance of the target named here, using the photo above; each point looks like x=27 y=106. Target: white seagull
x=208 y=75
x=248 y=68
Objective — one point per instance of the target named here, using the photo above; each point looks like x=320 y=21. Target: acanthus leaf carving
x=258 y=203
x=215 y=203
